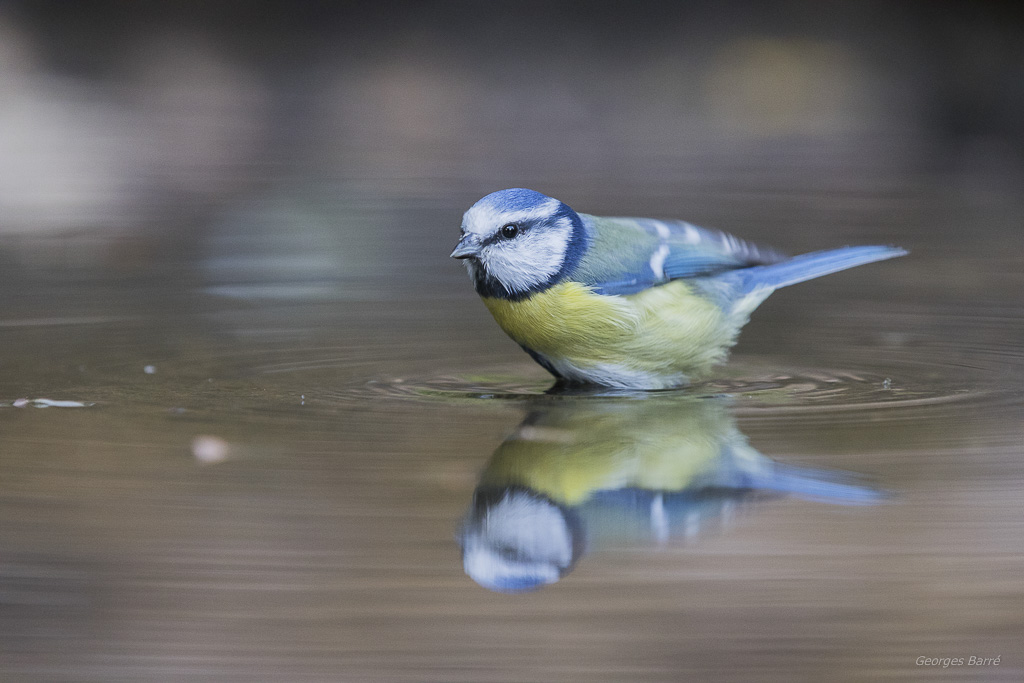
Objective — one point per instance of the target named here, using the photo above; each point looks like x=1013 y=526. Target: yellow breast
x=659 y=337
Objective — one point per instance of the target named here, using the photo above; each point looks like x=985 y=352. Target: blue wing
x=628 y=255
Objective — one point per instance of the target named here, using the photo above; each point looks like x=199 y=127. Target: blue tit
x=578 y=475
x=632 y=303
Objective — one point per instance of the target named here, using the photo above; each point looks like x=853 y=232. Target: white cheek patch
x=529 y=260
x=485 y=219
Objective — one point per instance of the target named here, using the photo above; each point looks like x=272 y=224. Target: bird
x=578 y=476
x=624 y=303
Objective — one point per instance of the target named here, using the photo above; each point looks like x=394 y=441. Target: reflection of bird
x=576 y=471
x=623 y=302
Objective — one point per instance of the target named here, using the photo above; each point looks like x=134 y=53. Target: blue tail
x=810 y=266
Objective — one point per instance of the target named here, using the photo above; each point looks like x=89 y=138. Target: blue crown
x=515 y=199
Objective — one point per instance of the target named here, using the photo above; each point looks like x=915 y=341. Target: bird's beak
x=467 y=246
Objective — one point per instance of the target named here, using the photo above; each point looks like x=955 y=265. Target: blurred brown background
x=153 y=137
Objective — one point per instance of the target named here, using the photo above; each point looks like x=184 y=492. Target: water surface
x=277 y=487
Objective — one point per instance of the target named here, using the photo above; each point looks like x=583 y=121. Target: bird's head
x=517 y=242
x=515 y=540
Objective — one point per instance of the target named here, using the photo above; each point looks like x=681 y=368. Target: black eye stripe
x=500 y=235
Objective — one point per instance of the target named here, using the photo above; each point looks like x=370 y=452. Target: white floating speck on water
x=149 y=369
x=210 y=450
x=48 y=403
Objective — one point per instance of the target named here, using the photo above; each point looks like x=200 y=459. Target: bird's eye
x=509 y=230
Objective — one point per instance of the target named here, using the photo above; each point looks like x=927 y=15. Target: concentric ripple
x=756 y=389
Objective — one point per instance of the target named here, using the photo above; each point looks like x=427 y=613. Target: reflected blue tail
x=828 y=487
